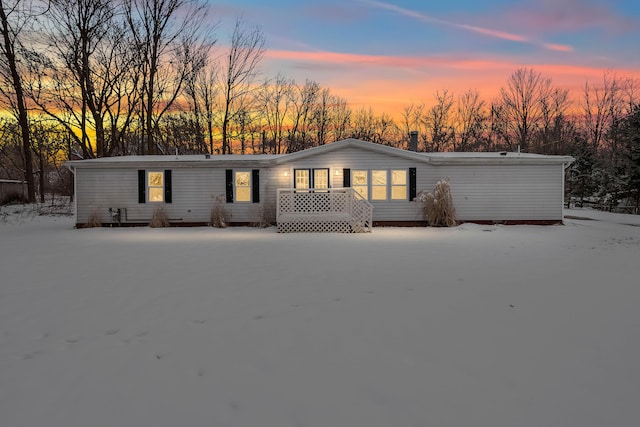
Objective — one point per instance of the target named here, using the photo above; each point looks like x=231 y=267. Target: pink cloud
x=489 y=32
x=568 y=15
x=389 y=83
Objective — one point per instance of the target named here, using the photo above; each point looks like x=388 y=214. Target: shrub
x=438 y=206
x=267 y=216
x=159 y=219
x=218 y=212
x=95 y=220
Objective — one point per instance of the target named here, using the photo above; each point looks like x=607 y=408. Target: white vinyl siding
x=496 y=191
x=506 y=192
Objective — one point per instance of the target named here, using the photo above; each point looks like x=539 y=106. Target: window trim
x=311 y=177
x=249 y=186
x=385 y=185
x=405 y=185
x=389 y=186
x=149 y=187
x=366 y=185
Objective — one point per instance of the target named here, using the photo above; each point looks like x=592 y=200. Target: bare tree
x=275 y=98
x=438 y=121
x=340 y=118
x=169 y=35
x=412 y=117
x=321 y=116
x=15 y=17
x=80 y=31
x=206 y=90
x=521 y=103
x=197 y=92
x=238 y=71
x=598 y=105
x=470 y=121
x=305 y=99
x=555 y=132
x=363 y=125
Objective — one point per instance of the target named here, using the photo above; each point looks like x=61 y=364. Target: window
x=399 y=184
x=311 y=178
x=360 y=182
x=321 y=178
x=379 y=185
x=302 y=178
x=242 y=184
x=155 y=183
x=383 y=185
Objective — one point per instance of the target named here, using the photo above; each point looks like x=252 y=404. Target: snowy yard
x=470 y=326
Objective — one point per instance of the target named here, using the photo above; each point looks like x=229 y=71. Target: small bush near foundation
x=218 y=212
x=94 y=220
x=159 y=218
x=267 y=216
x=438 y=206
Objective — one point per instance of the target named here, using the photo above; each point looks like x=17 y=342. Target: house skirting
x=375 y=223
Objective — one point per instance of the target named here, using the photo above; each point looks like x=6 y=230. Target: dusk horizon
x=388 y=55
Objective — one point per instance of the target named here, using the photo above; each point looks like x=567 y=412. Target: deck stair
x=341 y=210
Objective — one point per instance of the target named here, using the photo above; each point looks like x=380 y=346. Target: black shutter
x=346 y=178
x=142 y=187
x=255 y=185
x=167 y=186
x=229 y=186
x=412 y=183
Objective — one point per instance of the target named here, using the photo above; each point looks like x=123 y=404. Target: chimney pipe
x=413 y=140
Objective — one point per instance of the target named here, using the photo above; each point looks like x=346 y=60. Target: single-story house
x=319 y=185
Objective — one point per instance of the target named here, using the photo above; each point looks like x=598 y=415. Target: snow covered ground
x=470 y=326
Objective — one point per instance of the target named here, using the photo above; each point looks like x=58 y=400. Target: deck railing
x=333 y=209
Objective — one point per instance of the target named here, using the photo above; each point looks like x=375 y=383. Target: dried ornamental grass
x=438 y=206
x=218 y=212
x=94 y=220
x=159 y=218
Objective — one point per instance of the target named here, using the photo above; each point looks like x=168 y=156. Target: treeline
x=88 y=78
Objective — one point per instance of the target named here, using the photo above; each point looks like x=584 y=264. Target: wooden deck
x=340 y=210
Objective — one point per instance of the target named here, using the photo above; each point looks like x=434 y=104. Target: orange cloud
x=390 y=83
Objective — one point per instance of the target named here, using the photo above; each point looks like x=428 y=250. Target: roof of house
x=256 y=160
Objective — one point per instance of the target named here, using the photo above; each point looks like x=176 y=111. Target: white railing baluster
x=334 y=209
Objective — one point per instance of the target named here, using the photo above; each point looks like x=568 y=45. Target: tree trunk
x=23 y=119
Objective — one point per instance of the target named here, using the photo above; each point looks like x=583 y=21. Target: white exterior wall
x=492 y=190
x=356 y=159
x=499 y=192
x=193 y=194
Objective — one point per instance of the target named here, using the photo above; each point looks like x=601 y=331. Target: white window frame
x=405 y=185
x=365 y=186
x=385 y=186
x=311 y=178
x=151 y=187
x=236 y=186
x=388 y=186
x=315 y=178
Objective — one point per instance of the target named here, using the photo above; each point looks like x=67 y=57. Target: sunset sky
x=388 y=54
